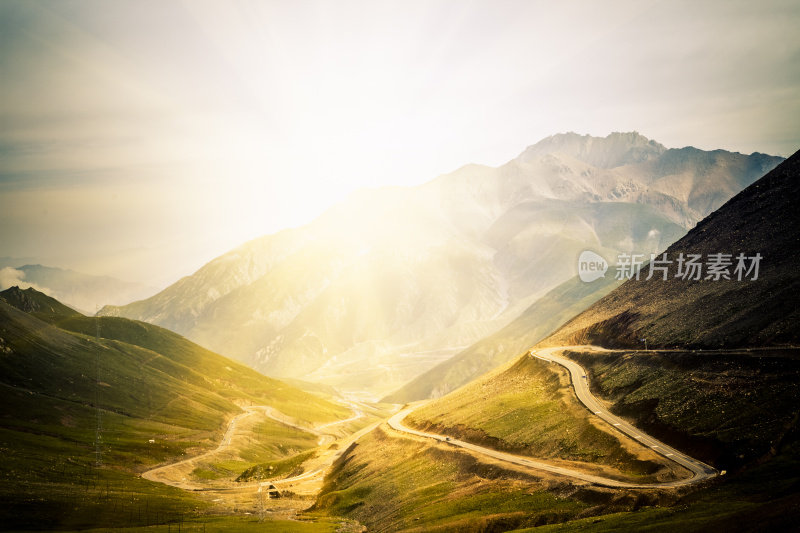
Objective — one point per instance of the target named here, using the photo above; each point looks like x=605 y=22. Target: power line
x=98 y=451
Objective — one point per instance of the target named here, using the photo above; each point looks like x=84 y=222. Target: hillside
x=710 y=313
x=37 y=304
x=561 y=304
x=391 y=282
x=80 y=391
x=528 y=409
x=680 y=393
x=734 y=407
x=435 y=488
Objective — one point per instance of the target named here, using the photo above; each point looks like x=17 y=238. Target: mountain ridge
x=37 y=303
x=776 y=237
x=717 y=379
x=617 y=149
x=361 y=295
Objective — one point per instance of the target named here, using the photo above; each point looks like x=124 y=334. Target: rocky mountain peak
x=615 y=150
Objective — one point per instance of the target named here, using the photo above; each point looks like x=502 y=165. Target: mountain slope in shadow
x=707 y=313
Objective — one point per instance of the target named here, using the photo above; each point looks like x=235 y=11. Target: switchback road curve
x=700 y=470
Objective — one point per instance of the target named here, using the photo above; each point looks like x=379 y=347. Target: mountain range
x=753 y=308
x=388 y=284
x=718 y=380
x=682 y=318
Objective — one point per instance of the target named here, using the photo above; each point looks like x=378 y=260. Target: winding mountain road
x=174 y=474
x=162 y=474
x=700 y=470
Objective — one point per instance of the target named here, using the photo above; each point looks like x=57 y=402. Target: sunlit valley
x=314 y=268
x=385 y=286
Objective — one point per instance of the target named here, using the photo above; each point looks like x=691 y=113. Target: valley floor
x=233 y=496
x=339 y=475
x=454 y=478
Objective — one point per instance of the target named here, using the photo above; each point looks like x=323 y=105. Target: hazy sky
x=141 y=138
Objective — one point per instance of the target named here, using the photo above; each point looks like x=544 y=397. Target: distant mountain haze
x=541 y=318
x=81 y=291
x=573 y=296
x=391 y=282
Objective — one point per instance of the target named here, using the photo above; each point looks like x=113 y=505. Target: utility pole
x=260 y=503
x=98 y=452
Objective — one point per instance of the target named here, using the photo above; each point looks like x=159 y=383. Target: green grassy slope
x=58 y=386
x=705 y=403
x=763 y=498
x=265 y=442
x=239 y=381
x=400 y=484
x=529 y=409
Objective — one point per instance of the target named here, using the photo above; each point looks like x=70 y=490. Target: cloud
x=10 y=277
x=206 y=124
